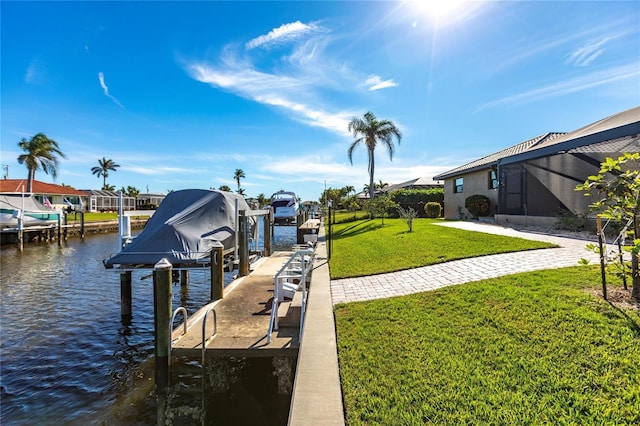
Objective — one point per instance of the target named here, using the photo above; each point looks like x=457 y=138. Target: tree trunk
x=30 y=178
x=635 y=272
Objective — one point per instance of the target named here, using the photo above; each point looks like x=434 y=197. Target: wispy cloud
x=525 y=49
x=295 y=83
x=571 y=85
x=586 y=54
x=106 y=89
x=35 y=74
x=283 y=34
x=375 y=82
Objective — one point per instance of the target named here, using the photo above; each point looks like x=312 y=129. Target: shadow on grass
x=633 y=322
x=356 y=229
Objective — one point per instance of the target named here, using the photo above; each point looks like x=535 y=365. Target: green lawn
x=367 y=247
x=533 y=348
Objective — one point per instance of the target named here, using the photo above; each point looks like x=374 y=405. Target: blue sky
x=181 y=94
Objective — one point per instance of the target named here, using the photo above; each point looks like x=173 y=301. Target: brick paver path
x=466 y=270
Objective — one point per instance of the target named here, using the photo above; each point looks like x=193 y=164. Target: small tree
x=380 y=206
x=618 y=183
x=407 y=215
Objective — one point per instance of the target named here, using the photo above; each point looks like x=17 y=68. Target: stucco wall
x=476 y=183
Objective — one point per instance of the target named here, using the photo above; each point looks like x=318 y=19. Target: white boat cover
x=184 y=229
x=34 y=212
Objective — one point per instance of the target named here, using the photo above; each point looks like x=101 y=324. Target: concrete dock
x=242 y=317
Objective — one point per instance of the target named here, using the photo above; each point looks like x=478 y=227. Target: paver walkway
x=466 y=270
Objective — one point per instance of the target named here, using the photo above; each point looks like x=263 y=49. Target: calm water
x=66 y=358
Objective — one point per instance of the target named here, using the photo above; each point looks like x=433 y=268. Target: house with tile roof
x=534 y=181
x=57 y=195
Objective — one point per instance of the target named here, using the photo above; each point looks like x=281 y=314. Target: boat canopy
x=26 y=202
x=184 y=229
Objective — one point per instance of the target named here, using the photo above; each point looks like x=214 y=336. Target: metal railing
x=300 y=266
x=184 y=329
x=205 y=339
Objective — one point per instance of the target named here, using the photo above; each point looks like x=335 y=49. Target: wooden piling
x=266 y=222
x=217 y=271
x=184 y=277
x=20 y=234
x=243 y=249
x=81 y=224
x=64 y=231
x=162 y=317
x=59 y=229
x=125 y=297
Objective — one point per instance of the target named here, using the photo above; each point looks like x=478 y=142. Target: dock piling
x=243 y=243
x=162 y=317
x=217 y=271
x=266 y=222
x=125 y=298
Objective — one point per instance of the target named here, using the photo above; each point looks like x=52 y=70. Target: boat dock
x=241 y=319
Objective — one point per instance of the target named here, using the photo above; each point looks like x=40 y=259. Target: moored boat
x=285 y=206
x=184 y=229
x=14 y=206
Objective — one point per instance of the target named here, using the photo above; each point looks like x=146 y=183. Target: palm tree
x=371 y=131
x=103 y=169
x=40 y=152
x=239 y=174
x=226 y=188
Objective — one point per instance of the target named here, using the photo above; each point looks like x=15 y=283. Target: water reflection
x=66 y=357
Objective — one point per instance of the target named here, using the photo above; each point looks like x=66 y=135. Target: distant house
x=58 y=196
x=149 y=199
x=105 y=201
x=417 y=183
x=534 y=181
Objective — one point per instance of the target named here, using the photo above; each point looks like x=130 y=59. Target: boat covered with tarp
x=25 y=206
x=184 y=229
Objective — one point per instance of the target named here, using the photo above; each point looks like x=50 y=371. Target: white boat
x=285 y=206
x=16 y=205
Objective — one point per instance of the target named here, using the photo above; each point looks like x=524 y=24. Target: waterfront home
x=58 y=197
x=533 y=182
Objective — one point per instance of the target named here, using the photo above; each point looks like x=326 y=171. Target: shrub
x=478 y=205
x=417 y=198
x=433 y=209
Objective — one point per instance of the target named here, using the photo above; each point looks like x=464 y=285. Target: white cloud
x=570 y=85
x=588 y=53
x=106 y=89
x=274 y=90
x=35 y=74
x=374 y=82
x=283 y=34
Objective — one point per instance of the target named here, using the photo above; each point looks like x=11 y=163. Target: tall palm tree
x=370 y=131
x=40 y=152
x=239 y=174
x=105 y=165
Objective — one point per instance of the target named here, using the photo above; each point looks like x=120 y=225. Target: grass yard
x=366 y=247
x=533 y=348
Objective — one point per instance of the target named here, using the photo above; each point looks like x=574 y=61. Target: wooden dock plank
x=242 y=319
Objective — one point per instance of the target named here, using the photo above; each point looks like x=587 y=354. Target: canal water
x=65 y=356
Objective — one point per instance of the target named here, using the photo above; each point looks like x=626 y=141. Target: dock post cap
x=162 y=264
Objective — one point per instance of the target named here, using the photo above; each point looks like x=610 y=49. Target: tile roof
x=492 y=159
x=618 y=126
x=19 y=185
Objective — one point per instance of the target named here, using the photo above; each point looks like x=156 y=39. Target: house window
x=457 y=185
x=493 y=179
